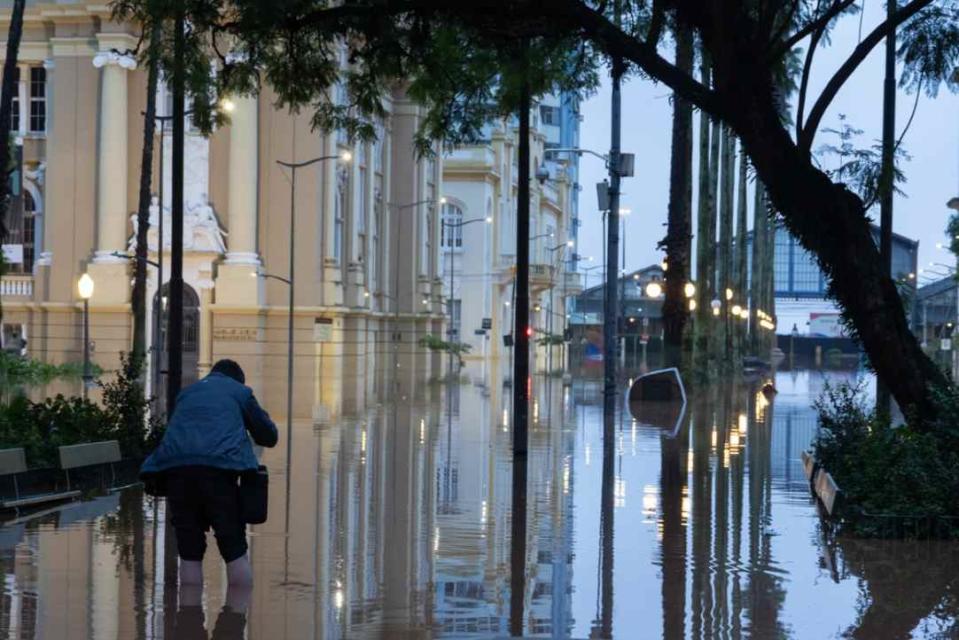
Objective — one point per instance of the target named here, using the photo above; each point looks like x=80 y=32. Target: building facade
x=366 y=239
x=479 y=238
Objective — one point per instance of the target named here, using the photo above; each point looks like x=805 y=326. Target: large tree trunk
x=679 y=223
x=712 y=202
x=739 y=263
x=143 y=207
x=704 y=238
x=831 y=221
x=727 y=184
x=7 y=89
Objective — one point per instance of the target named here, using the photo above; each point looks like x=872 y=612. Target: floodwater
x=396 y=524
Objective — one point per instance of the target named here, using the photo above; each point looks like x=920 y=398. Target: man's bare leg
x=239 y=572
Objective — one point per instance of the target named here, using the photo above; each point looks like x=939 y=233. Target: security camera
x=542 y=174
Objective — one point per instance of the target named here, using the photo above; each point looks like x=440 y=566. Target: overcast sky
x=932 y=174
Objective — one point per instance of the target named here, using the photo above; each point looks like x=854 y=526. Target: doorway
x=191 y=338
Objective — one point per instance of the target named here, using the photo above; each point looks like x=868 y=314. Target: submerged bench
x=88 y=454
x=72 y=457
x=14 y=462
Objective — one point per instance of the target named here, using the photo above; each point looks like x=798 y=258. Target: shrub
x=16 y=370
x=434 y=343
x=886 y=472
x=41 y=427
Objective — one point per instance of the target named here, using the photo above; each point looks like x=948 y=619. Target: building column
x=234 y=284
x=109 y=271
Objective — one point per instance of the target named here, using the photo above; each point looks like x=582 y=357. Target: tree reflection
x=903 y=583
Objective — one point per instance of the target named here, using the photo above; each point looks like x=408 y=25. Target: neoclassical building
x=366 y=243
x=479 y=239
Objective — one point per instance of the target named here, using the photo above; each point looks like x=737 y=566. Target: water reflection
x=397 y=523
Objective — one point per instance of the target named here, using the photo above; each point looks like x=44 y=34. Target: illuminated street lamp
x=85 y=289
x=654 y=289
x=689 y=289
x=716 y=305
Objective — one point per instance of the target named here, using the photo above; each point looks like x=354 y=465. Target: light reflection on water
x=399 y=519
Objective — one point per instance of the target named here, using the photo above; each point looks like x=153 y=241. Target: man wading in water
x=198 y=465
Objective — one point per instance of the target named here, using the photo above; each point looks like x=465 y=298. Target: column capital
x=105 y=58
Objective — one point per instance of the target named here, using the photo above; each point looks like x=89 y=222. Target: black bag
x=154 y=484
x=254 y=495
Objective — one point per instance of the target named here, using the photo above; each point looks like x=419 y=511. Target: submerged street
x=396 y=523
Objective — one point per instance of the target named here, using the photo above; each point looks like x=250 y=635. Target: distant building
x=479 y=231
x=640 y=314
x=801 y=285
x=935 y=317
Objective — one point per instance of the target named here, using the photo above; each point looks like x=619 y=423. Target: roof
x=944 y=285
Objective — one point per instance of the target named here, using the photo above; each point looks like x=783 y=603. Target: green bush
x=434 y=343
x=887 y=472
x=16 y=370
x=41 y=427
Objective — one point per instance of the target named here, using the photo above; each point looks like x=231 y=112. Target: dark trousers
x=201 y=498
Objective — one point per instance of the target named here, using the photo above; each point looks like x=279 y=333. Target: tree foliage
x=461 y=61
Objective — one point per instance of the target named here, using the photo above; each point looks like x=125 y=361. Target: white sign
x=826 y=325
x=945 y=344
x=323 y=329
x=13 y=253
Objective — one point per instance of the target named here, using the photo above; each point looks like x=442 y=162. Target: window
x=806 y=275
x=15 y=110
x=38 y=99
x=21 y=232
x=549 y=115
x=364 y=203
x=456 y=307
x=452 y=227
x=375 y=250
x=781 y=269
x=378 y=148
x=339 y=213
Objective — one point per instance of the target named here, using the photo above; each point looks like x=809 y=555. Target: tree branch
x=804 y=83
x=849 y=66
x=781 y=31
x=616 y=42
x=817 y=25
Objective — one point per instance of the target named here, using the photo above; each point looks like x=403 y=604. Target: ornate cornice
x=105 y=58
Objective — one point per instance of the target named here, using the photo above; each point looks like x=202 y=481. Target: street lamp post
x=346 y=156
x=85 y=288
x=449 y=331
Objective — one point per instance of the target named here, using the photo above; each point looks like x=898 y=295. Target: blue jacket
x=209 y=428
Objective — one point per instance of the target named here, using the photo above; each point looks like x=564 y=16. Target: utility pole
x=888 y=174
x=521 y=333
x=611 y=310
x=175 y=314
x=610 y=324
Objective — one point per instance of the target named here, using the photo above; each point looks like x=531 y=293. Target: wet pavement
x=396 y=524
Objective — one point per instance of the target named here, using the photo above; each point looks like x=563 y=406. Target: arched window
x=452 y=226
